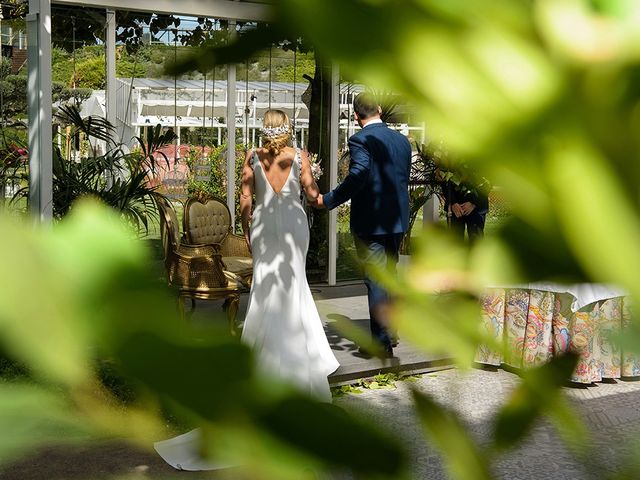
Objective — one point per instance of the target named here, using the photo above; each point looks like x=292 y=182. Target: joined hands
x=462 y=210
x=317 y=202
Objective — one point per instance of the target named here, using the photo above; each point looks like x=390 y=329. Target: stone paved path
x=610 y=410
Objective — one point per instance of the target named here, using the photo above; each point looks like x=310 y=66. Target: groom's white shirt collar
x=371 y=122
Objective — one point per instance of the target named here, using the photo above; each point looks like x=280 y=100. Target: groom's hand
x=319 y=202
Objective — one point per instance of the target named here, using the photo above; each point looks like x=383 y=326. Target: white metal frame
x=39 y=108
x=39 y=73
x=231 y=132
x=232 y=10
x=39 y=89
x=333 y=170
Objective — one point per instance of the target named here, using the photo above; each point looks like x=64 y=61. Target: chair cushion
x=242 y=266
x=235 y=280
x=208 y=222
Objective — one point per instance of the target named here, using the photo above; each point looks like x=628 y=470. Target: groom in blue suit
x=377 y=185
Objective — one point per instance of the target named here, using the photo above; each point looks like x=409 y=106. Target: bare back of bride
x=282 y=324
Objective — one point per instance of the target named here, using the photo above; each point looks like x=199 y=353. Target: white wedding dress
x=282 y=324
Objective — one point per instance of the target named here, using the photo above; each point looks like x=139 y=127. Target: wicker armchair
x=196 y=271
x=207 y=221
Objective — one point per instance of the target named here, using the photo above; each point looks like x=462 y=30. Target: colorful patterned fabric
x=538 y=347
x=515 y=325
x=561 y=323
x=493 y=326
x=609 y=322
x=534 y=325
x=630 y=361
x=581 y=341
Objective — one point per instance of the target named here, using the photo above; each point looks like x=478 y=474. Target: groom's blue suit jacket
x=377 y=183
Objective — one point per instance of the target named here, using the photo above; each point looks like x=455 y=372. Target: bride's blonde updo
x=276 y=131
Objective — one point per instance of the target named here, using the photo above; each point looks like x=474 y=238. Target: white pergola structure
x=144 y=102
x=39 y=89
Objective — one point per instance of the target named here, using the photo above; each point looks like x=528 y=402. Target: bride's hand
x=317 y=202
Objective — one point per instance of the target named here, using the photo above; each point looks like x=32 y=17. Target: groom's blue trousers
x=381 y=253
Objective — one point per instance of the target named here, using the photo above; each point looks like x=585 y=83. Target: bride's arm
x=306 y=178
x=246 y=196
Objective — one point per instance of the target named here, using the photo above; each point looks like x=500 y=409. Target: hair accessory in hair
x=271 y=132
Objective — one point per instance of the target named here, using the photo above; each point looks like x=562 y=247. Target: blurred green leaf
x=463 y=458
x=542 y=254
x=31 y=416
x=542 y=94
x=436 y=303
x=606 y=32
x=210 y=380
x=591 y=208
x=40 y=323
x=261 y=456
x=447 y=325
x=329 y=433
x=74 y=284
x=492 y=263
x=628 y=338
x=539 y=394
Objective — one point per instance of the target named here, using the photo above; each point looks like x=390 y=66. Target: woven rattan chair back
x=206 y=221
x=169 y=230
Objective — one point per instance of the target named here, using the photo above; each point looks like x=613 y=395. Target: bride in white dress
x=282 y=325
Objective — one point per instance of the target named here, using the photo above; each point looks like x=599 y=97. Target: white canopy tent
x=39 y=88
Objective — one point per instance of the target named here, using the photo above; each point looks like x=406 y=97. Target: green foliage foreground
x=548 y=114
x=540 y=97
x=84 y=292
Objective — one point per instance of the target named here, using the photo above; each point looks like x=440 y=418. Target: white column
x=110 y=43
x=431 y=211
x=333 y=170
x=231 y=131
x=110 y=88
x=39 y=110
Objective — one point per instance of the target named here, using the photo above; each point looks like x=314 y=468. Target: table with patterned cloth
x=538 y=321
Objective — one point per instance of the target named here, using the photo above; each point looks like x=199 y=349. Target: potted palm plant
x=119 y=178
